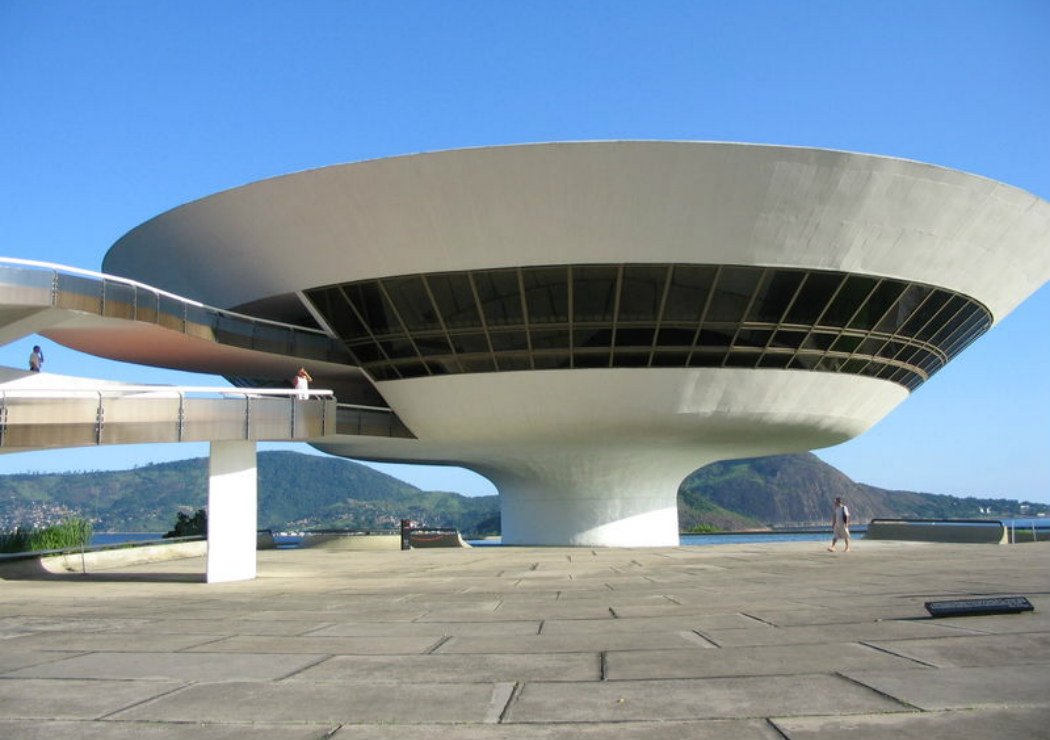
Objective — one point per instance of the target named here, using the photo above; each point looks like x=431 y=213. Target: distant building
x=587 y=323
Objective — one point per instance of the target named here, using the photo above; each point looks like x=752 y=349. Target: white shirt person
x=302 y=384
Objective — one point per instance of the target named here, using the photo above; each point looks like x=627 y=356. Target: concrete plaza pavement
x=770 y=640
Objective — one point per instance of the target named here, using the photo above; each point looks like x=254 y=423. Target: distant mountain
x=298 y=491
x=799 y=490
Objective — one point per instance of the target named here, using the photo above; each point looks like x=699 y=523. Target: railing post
x=181 y=421
x=3 y=418
x=247 y=416
x=100 y=419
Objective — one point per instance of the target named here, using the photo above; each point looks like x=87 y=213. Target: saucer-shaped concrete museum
x=587 y=323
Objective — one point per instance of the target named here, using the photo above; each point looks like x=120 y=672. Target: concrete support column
x=591 y=498
x=232 y=512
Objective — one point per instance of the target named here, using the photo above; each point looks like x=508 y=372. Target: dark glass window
x=331 y=304
x=669 y=359
x=910 y=299
x=742 y=359
x=466 y=344
x=753 y=337
x=775 y=359
x=675 y=337
x=413 y=304
x=791 y=339
x=396 y=347
x=478 y=364
x=846 y=343
x=732 y=294
x=372 y=307
x=513 y=362
x=509 y=341
x=594 y=293
x=630 y=358
x=550 y=361
x=546 y=294
x=433 y=345
x=643 y=286
x=878 y=304
x=366 y=351
x=813 y=298
x=455 y=300
x=687 y=294
x=499 y=296
x=944 y=316
x=704 y=358
x=774 y=295
x=851 y=295
x=634 y=336
x=622 y=316
x=592 y=338
x=590 y=358
x=713 y=338
x=924 y=312
x=550 y=339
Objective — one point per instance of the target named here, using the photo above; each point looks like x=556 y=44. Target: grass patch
x=71 y=533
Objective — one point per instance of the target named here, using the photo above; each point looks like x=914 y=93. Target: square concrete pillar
x=232 y=512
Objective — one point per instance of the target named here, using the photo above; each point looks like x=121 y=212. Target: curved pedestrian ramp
x=39 y=418
x=127 y=321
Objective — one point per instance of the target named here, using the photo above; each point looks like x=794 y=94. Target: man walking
x=839 y=525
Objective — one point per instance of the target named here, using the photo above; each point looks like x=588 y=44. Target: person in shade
x=302 y=383
x=36 y=358
x=839 y=525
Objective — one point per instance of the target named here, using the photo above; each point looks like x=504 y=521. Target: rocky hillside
x=298 y=491
x=799 y=490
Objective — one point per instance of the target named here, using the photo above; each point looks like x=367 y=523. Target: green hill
x=298 y=491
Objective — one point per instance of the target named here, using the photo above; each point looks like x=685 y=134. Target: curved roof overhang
x=599 y=202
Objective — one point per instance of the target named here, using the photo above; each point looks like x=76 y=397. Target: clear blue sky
x=114 y=111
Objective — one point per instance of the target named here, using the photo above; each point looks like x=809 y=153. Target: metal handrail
x=182 y=394
x=175 y=390
x=57 y=268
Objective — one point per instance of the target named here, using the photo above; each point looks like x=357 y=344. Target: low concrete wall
x=984 y=532
x=436 y=539
x=103 y=559
x=352 y=541
x=93 y=561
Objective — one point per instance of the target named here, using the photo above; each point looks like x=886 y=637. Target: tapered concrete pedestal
x=232 y=512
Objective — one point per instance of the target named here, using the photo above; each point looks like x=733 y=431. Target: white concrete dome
x=587 y=323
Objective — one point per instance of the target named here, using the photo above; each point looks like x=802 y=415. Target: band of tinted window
x=650 y=315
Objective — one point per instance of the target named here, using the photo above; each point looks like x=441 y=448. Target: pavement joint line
x=707 y=637
x=147 y=700
x=697 y=637
x=891 y=697
x=300 y=669
x=312 y=630
x=511 y=697
x=776 y=728
x=887 y=651
x=758 y=619
x=188 y=648
x=437 y=645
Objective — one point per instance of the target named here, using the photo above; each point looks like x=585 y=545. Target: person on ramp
x=302 y=384
x=840 y=525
